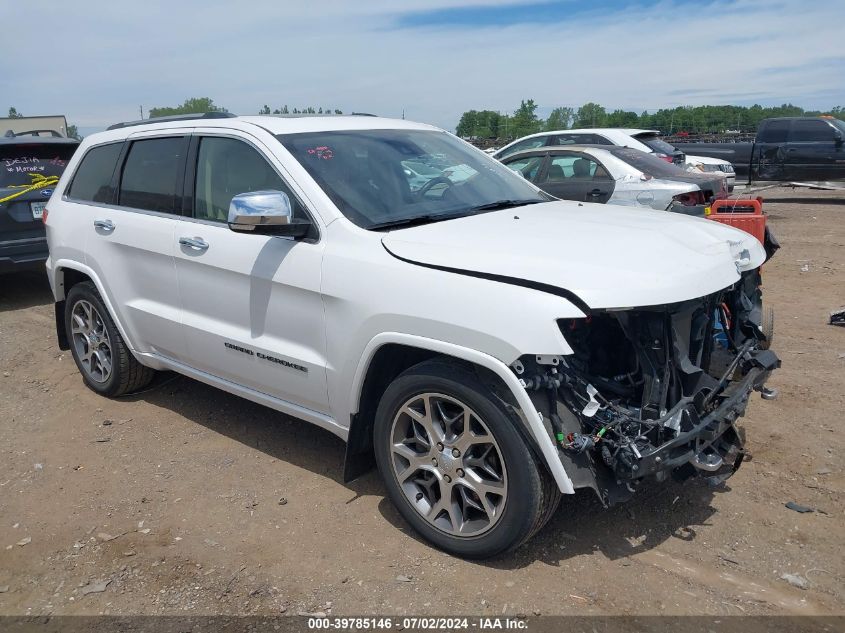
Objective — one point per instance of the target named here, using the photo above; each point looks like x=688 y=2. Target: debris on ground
x=795 y=580
x=798 y=508
x=4 y=588
x=837 y=317
x=95 y=587
x=402 y=578
x=25 y=541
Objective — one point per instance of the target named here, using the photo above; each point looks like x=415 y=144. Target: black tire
x=532 y=495
x=768 y=327
x=127 y=374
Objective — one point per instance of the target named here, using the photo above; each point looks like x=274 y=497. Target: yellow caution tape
x=38 y=182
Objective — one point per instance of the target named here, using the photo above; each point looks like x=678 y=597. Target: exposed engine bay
x=654 y=391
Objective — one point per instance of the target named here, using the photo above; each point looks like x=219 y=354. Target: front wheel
x=455 y=465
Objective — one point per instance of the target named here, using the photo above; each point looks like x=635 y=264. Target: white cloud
x=104 y=59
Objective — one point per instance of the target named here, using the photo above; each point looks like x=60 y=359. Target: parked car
x=488 y=348
x=786 y=149
x=30 y=163
x=617 y=175
x=644 y=140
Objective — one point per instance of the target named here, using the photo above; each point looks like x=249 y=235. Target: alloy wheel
x=91 y=341
x=448 y=464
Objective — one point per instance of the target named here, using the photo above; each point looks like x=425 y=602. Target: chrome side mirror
x=266 y=213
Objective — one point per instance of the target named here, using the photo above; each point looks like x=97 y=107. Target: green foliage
x=14 y=114
x=559 y=119
x=73 y=132
x=308 y=110
x=194 y=105
x=486 y=124
x=590 y=115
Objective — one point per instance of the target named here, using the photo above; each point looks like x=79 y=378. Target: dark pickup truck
x=31 y=160
x=788 y=149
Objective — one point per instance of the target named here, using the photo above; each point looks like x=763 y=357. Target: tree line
x=692 y=119
x=196 y=105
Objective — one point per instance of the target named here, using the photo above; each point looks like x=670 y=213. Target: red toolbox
x=745 y=214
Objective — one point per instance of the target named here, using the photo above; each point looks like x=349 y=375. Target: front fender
x=531 y=418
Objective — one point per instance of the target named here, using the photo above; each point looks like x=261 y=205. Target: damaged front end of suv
x=655 y=391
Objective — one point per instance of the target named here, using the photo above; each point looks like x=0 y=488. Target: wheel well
x=66 y=279
x=387 y=364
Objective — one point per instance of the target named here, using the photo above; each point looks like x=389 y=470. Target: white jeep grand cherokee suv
x=487 y=347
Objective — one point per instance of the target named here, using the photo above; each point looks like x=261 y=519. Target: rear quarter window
x=93 y=179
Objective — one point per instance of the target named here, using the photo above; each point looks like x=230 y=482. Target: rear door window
x=775 y=132
x=92 y=181
x=575 y=167
x=810 y=131
x=153 y=174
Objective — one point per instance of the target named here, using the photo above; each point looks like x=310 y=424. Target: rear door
x=577 y=176
x=253 y=312
x=812 y=152
x=129 y=240
x=768 y=160
x=28 y=174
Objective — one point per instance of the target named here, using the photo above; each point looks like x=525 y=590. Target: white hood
x=609 y=256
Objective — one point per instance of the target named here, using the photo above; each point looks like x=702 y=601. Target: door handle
x=595 y=193
x=197 y=243
x=105 y=225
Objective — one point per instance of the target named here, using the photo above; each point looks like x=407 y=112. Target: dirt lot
x=184 y=499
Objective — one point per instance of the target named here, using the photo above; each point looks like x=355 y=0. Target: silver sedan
x=618 y=175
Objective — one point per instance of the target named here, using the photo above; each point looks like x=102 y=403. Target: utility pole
x=141 y=108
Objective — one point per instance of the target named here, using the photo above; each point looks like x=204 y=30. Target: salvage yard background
x=186 y=499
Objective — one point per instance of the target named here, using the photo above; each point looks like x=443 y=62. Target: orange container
x=744 y=214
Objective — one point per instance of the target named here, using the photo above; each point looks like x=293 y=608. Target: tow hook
x=709 y=462
x=768 y=394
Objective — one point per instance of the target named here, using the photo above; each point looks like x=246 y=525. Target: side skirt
x=314 y=417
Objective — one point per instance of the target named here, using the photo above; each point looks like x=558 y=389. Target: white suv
x=479 y=342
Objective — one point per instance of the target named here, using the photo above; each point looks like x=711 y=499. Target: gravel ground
x=186 y=500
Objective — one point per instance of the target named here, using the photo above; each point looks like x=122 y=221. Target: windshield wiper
x=414 y=221
x=503 y=204
x=439 y=217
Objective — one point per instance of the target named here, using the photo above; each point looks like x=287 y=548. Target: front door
x=252 y=309
x=812 y=152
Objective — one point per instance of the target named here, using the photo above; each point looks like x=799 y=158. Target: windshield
x=649 y=163
x=656 y=144
x=382 y=177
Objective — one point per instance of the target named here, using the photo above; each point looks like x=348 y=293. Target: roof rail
x=175 y=117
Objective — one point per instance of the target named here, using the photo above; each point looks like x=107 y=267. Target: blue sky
x=473 y=17
x=432 y=59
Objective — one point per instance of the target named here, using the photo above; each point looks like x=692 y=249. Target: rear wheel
x=455 y=465
x=105 y=362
